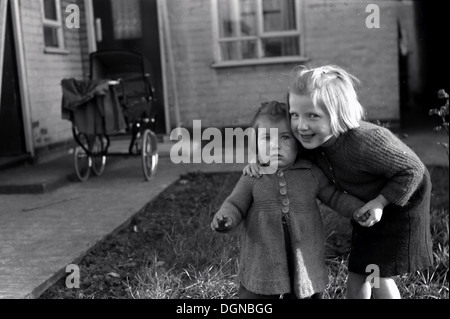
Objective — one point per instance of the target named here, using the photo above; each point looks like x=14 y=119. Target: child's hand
x=368 y=218
x=371 y=212
x=222 y=223
x=252 y=170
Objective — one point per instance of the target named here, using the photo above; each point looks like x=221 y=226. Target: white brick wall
x=338 y=34
x=46 y=70
x=219 y=97
x=335 y=33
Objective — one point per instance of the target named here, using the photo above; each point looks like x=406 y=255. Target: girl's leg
x=358 y=287
x=388 y=289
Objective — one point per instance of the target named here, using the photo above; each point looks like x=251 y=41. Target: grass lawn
x=169 y=250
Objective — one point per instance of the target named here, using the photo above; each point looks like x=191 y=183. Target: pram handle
x=114 y=82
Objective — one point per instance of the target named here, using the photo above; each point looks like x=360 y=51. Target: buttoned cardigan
x=260 y=204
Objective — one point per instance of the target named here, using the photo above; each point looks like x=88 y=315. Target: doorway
x=12 y=135
x=133 y=25
x=424 y=70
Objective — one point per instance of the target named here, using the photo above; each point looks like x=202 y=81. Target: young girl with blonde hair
x=391 y=233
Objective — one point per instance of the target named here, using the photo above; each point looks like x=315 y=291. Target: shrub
x=442 y=112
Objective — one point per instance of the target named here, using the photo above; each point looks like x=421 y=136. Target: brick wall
x=335 y=32
x=46 y=70
x=218 y=97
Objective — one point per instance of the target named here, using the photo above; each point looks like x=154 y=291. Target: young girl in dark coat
x=391 y=234
x=283 y=240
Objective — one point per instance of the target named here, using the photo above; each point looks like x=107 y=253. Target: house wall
x=46 y=70
x=335 y=33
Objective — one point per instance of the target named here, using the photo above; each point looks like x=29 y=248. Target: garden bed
x=169 y=250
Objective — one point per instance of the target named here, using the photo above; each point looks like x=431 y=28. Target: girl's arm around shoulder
x=382 y=153
x=329 y=194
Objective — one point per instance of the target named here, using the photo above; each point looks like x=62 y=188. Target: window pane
x=279 y=15
x=276 y=47
x=227 y=26
x=127 y=19
x=237 y=18
x=248 y=17
x=50 y=10
x=51 y=37
x=238 y=50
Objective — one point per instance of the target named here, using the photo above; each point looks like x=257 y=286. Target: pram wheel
x=83 y=164
x=149 y=154
x=98 y=160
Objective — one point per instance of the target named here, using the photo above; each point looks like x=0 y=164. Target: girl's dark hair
x=273 y=110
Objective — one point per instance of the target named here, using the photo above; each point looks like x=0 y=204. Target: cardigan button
x=285 y=210
x=286 y=202
x=282 y=183
x=283 y=191
x=280 y=173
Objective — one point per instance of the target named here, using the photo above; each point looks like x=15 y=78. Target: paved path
x=43 y=232
x=50 y=222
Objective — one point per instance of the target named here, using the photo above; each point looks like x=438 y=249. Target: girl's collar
x=331 y=141
x=332 y=144
x=299 y=163
x=336 y=142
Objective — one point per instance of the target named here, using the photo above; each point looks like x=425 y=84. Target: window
x=52 y=22
x=127 y=21
x=257 y=31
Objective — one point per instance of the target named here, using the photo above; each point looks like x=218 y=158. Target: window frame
x=259 y=37
x=54 y=24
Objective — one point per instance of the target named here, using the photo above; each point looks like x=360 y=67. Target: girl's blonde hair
x=333 y=90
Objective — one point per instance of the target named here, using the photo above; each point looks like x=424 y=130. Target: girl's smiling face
x=310 y=125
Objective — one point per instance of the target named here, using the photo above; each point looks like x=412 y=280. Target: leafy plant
x=442 y=112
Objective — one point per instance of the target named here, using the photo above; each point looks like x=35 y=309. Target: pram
x=116 y=101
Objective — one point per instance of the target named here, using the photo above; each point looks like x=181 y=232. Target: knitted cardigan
x=261 y=204
x=369 y=161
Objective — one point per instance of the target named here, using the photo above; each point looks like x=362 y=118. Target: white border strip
x=89 y=12
x=22 y=72
x=170 y=58
x=162 y=46
x=3 y=9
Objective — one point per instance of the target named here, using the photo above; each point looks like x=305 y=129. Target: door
x=12 y=136
x=436 y=62
x=133 y=25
